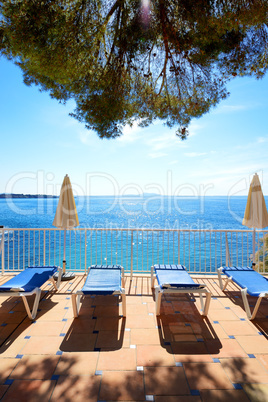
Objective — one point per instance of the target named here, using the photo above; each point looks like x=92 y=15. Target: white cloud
x=83 y=136
x=88 y=137
x=164 y=141
x=195 y=154
x=194 y=127
x=261 y=140
x=157 y=155
x=225 y=109
x=222 y=173
x=130 y=134
x=251 y=145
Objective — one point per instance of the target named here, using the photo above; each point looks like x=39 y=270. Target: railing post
x=85 y=250
x=2 y=249
x=179 y=248
x=35 y=246
x=44 y=248
x=131 y=256
x=227 y=252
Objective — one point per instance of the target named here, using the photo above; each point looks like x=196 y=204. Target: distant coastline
x=3 y=195
x=142 y=195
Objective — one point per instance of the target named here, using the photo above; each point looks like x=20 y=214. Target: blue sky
x=40 y=143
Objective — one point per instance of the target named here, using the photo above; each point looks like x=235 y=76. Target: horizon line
x=35 y=195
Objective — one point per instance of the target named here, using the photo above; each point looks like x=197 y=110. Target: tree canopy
x=130 y=60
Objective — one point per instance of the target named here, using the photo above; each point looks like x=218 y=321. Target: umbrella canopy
x=66 y=215
x=256 y=215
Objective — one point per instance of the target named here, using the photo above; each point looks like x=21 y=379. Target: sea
x=138 y=249
x=155 y=212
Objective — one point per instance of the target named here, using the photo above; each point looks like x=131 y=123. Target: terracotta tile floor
x=179 y=356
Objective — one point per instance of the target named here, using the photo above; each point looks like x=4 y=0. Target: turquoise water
x=130 y=212
x=199 y=252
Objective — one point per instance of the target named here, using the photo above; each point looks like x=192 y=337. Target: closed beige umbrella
x=256 y=215
x=66 y=217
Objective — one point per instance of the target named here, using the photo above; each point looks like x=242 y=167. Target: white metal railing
x=201 y=251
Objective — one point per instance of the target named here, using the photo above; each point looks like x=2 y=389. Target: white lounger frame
x=159 y=292
x=76 y=297
x=244 y=293
x=37 y=292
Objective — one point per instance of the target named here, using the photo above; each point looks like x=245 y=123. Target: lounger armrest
x=17 y=290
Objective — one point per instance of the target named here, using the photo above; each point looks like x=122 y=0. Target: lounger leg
x=245 y=301
x=220 y=277
x=32 y=314
x=59 y=277
x=158 y=296
x=76 y=304
x=204 y=309
x=228 y=280
x=246 y=304
x=124 y=303
x=152 y=277
x=123 y=277
x=54 y=283
x=256 y=308
x=207 y=304
x=201 y=302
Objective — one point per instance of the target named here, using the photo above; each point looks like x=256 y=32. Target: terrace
x=101 y=356
x=172 y=69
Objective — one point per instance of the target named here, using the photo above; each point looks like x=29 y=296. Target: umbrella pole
x=64 y=253
x=253 y=248
x=69 y=275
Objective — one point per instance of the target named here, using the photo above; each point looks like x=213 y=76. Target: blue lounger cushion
x=103 y=280
x=28 y=283
x=29 y=279
x=174 y=279
x=246 y=277
x=174 y=276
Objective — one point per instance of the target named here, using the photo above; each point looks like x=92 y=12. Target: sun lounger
x=28 y=283
x=102 y=280
x=175 y=279
x=251 y=282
